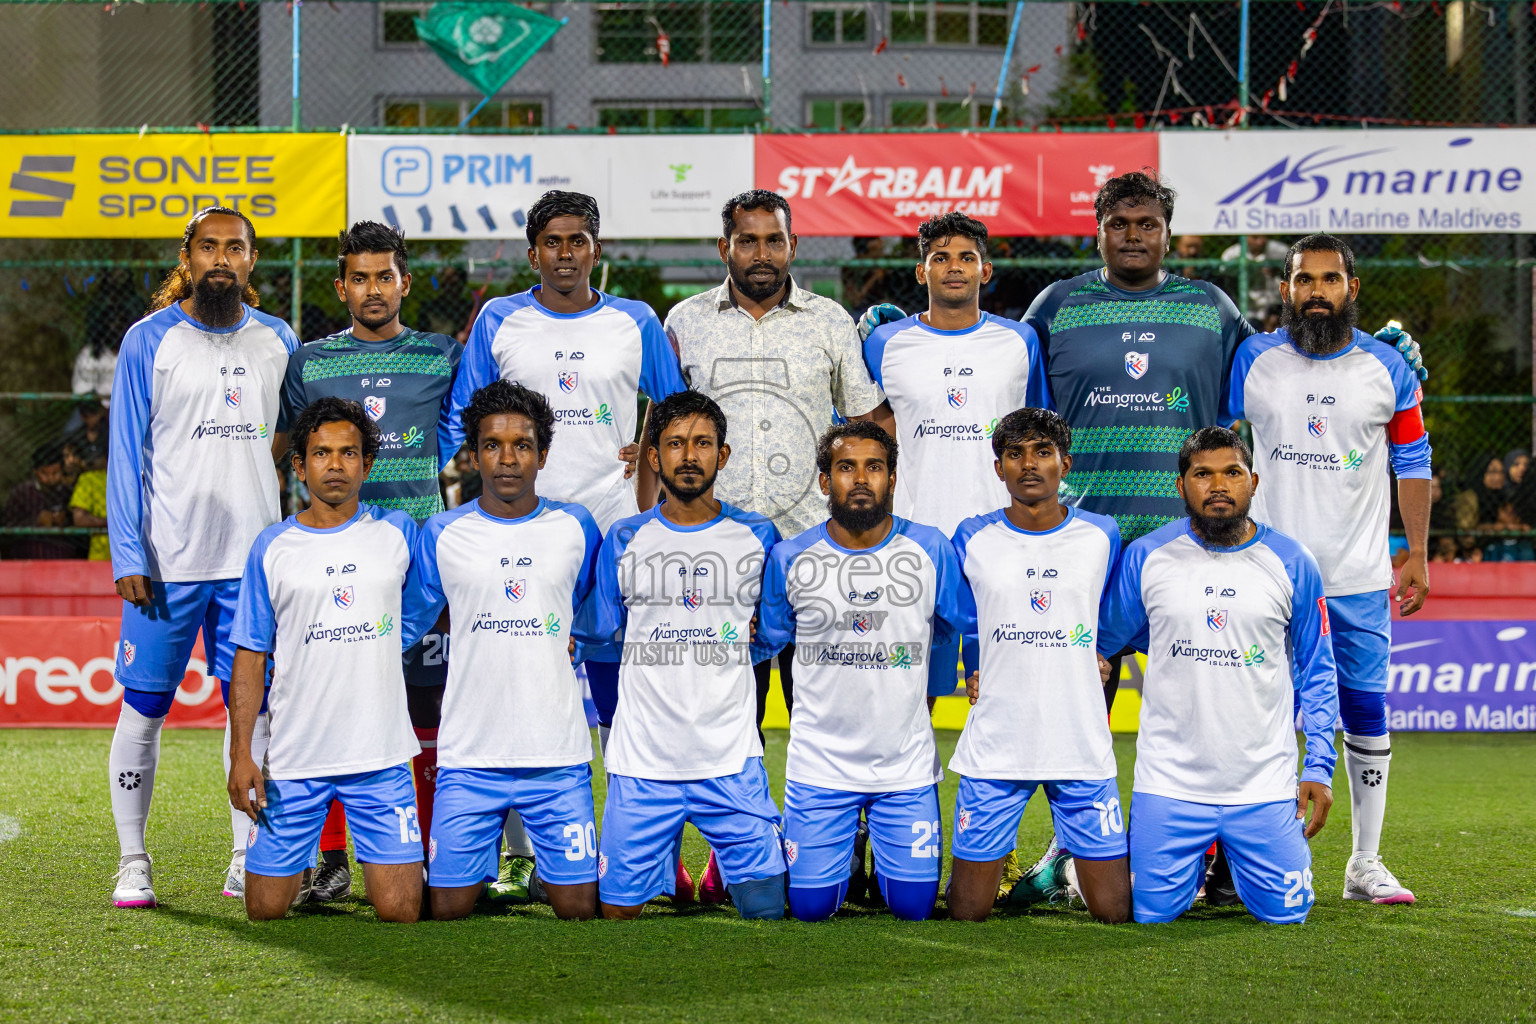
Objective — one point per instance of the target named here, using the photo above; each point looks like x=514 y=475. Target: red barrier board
x=58 y=672
x=1018 y=183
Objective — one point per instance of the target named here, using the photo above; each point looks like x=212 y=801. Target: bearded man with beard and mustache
x=866 y=597
x=190 y=486
x=1332 y=408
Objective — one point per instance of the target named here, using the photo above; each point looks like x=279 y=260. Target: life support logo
x=1317 y=426
x=568 y=381
x=1136 y=364
x=1216 y=619
x=342 y=596
x=1040 y=600
x=957 y=397
x=373 y=405
x=232 y=397
x=516 y=589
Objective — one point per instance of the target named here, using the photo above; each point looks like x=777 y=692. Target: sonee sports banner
x=127 y=186
x=1017 y=183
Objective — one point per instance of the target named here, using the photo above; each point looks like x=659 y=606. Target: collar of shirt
x=794 y=299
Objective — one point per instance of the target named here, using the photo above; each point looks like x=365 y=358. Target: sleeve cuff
x=1317 y=773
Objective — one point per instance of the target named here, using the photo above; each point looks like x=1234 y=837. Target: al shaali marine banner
x=128 y=186
x=485 y=43
x=1348 y=181
x=479 y=186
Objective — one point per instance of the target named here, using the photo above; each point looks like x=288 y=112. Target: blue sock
x=760 y=898
x=909 y=901
x=816 y=904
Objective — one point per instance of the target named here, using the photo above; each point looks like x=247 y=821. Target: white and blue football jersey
x=512 y=587
x=330 y=606
x=948 y=389
x=1324 y=429
x=1230 y=635
x=590 y=365
x=865 y=625
x=1041 y=710
x=190 y=483
x=682 y=600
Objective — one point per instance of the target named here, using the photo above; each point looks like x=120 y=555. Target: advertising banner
x=1019 y=184
x=1348 y=181
x=480 y=186
x=1457 y=676
x=128 y=186
x=58 y=672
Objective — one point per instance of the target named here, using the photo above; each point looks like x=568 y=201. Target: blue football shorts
x=1270 y=860
x=381 y=812
x=156 y=642
x=1087 y=815
x=905 y=832
x=426 y=664
x=471 y=806
x=643 y=822
x=1361 y=629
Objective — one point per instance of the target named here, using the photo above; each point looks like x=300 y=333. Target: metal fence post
x=767 y=65
x=296 y=245
x=1242 y=122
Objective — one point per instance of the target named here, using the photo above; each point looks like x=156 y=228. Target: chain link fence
x=805 y=65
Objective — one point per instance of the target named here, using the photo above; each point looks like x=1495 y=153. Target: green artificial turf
x=1461 y=831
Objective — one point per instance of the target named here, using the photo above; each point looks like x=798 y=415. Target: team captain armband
x=1407 y=426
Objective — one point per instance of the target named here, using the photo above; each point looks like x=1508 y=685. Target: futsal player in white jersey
x=190 y=484
x=322 y=596
x=866 y=598
x=590 y=353
x=1331 y=408
x=512 y=568
x=1039 y=571
x=679 y=586
x=1232 y=617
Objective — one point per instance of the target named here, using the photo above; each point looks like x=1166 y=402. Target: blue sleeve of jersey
x=963 y=534
x=447 y=447
x=1038 y=316
x=424 y=597
x=1123 y=616
x=660 y=373
x=292 y=400
x=775 y=614
x=954 y=613
x=603 y=616
x=132 y=392
x=415 y=608
x=477 y=368
x=1233 y=405
x=1234 y=328
x=586 y=577
x=1412 y=461
x=1037 y=389
x=760 y=650
x=1312 y=667
x=1112 y=531
x=874 y=349
x=255 y=626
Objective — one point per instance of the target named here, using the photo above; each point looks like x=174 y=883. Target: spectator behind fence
x=1188 y=247
x=1489 y=491
x=1262 y=304
x=449 y=309
x=42 y=499
x=88 y=506
x=1521 y=485
x=88 y=439
x=1509 y=549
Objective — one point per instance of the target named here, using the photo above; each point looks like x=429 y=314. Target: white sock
x=515 y=842
x=602 y=738
x=239 y=821
x=131 y=776
x=1367 y=758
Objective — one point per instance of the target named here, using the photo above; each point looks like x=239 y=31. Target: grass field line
x=10 y=828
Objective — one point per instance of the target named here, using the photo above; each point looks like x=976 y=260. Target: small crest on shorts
x=1216 y=619
x=128 y=652
x=791 y=851
x=342 y=596
x=1040 y=600
x=602 y=865
x=963 y=819
x=250 y=839
x=432 y=850
x=516 y=589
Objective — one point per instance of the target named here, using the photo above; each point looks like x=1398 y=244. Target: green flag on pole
x=485 y=42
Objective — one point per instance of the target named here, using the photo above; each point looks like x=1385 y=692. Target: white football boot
x=133 y=886
x=1366 y=878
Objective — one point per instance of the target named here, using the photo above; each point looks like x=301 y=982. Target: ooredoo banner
x=1423 y=181
x=480 y=186
x=147 y=186
x=58 y=672
x=1019 y=184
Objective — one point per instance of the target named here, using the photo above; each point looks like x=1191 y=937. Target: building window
x=448 y=112
x=948 y=23
x=720 y=32
x=836 y=113
x=838 y=24
x=697 y=115
x=940 y=113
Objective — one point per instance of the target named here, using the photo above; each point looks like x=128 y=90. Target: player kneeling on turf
x=1220 y=603
x=1039 y=571
x=322 y=593
x=512 y=568
x=679 y=587
x=865 y=598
